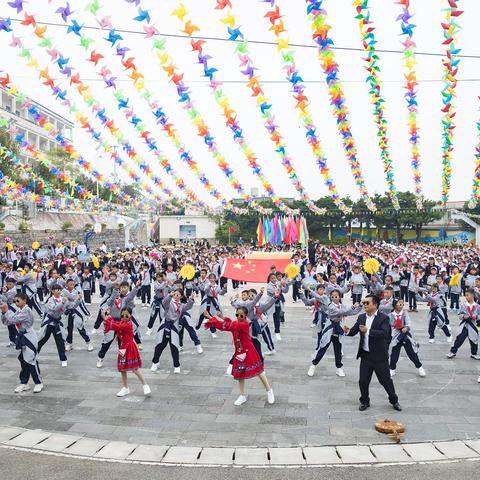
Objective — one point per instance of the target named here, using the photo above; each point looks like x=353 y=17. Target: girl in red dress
x=128 y=354
x=246 y=361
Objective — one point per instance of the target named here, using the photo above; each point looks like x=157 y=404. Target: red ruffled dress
x=128 y=354
x=246 y=361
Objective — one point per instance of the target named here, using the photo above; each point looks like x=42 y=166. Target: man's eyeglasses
x=366 y=303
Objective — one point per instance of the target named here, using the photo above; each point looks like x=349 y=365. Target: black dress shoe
x=397 y=407
x=363 y=406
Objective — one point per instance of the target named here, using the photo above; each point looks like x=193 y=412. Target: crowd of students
x=58 y=289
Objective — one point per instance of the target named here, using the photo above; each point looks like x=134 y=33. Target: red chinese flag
x=231 y=230
x=252 y=270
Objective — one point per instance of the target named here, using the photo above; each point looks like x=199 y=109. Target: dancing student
x=402 y=337
x=296 y=283
x=443 y=290
x=26 y=342
x=160 y=289
x=332 y=332
x=358 y=281
x=86 y=280
x=387 y=302
x=281 y=298
x=318 y=300
x=8 y=297
x=469 y=315
x=40 y=281
x=210 y=301
x=395 y=274
x=376 y=286
x=52 y=323
x=107 y=289
x=74 y=315
x=413 y=286
x=455 y=289
x=200 y=282
x=128 y=355
x=436 y=316
x=28 y=284
x=146 y=286
x=246 y=360
x=168 y=332
x=120 y=299
x=276 y=289
x=404 y=279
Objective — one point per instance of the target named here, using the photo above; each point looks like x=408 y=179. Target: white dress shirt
x=368 y=324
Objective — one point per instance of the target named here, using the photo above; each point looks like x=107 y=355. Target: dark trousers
x=146 y=293
x=87 y=296
x=461 y=337
x=105 y=346
x=33 y=304
x=396 y=293
x=103 y=289
x=277 y=317
x=356 y=298
x=382 y=371
x=153 y=316
x=404 y=293
x=396 y=354
x=201 y=318
x=191 y=331
x=223 y=282
x=432 y=325
x=267 y=338
x=454 y=300
x=40 y=294
x=81 y=331
x=337 y=350
x=12 y=333
x=161 y=347
x=295 y=292
x=27 y=370
x=57 y=336
x=235 y=284
x=412 y=300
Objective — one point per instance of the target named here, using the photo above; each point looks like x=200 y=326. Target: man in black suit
x=375 y=336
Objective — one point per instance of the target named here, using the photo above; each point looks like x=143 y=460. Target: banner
x=252 y=270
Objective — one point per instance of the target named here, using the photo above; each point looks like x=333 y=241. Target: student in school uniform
x=8 y=296
x=26 y=342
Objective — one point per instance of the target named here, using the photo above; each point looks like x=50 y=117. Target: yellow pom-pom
x=454 y=280
x=35 y=245
x=292 y=270
x=73 y=243
x=371 y=266
x=95 y=261
x=187 y=272
x=9 y=247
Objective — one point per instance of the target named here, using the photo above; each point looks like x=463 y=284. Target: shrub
x=67 y=226
x=24 y=227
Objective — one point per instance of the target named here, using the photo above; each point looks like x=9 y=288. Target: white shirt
x=368 y=324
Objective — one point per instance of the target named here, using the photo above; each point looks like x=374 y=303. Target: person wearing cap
x=52 y=322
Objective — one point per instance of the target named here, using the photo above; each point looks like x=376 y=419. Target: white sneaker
x=154 y=367
x=311 y=371
x=270 y=397
x=451 y=355
x=94 y=331
x=176 y=370
x=38 y=388
x=64 y=364
x=23 y=387
x=312 y=325
x=422 y=372
x=68 y=347
x=100 y=363
x=214 y=335
x=340 y=372
x=148 y=332
x=278 y=337
x=140 y=346
x=240 y=400
x=392 y=373
x=229 y=370
x=475 y=357
x=146 y=390
x=180 y=349
x=89 y=347
x=199 y=349
x=431 y=340
x=10 y=344
x=269 y=352
x=450 y=339
x=124 y=391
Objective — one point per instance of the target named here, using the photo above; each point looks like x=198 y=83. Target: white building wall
x=169 y=227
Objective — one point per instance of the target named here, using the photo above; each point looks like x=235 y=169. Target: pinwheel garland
x=368 y=42
x=450 y=65
x=411 y=95
x=318 y=18
x=476 y=177
x=232 y=122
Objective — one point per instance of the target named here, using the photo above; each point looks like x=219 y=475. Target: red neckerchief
x=118 y=303
x=398 y=322
x=177 y=306
x=471 y=308
x=259 y=313
x=213 y=292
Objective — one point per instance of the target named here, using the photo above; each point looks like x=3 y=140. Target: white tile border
x=263 y=457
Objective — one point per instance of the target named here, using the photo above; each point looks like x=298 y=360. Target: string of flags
x=281 y=230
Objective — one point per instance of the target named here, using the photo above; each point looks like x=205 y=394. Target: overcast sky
x=428 y=15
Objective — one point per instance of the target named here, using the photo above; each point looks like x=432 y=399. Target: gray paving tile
x=57 y=442
x=422 y=452
x=286 y=456
x=116 y=450
x=321 y=455
x=216 y=456
x=86 y=447
x=251 y=456
x=29 y=438
x=355 y=454
x=148 y=453
x=455 y=449
x=7 y=433
x=182 y=455
x=390 y=453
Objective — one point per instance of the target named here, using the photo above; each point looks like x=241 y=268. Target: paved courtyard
x=196 y=407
